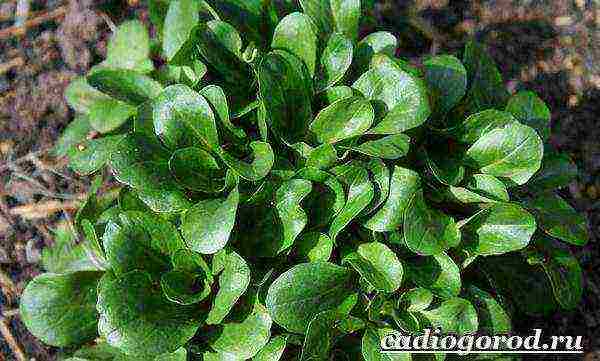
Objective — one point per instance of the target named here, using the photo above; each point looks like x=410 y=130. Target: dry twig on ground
x=36 y=21
x=10 y=340
x=45 y=209
x=13 y=63
x=8 y=287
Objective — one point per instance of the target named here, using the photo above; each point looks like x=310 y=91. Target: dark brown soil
x=36 y=190
x=549 y=46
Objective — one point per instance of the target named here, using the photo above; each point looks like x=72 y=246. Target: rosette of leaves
x=290 y=190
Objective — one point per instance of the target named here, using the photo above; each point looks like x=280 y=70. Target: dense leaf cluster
x=292 y=191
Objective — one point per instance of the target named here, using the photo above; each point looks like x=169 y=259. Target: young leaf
x=192 y=75
x=178 y=355
x=333 y=94
x=347 y=305
x=404 y=97
x=250 y=17
x=60 y=309
x=108 y=115
x=287 y=202
x=525 y=284
x=380 y=174
x=335 y=62
x=315 y=246
x=493 y=319
x=322 y=157
x=157 y=11
x=190 y=281
x=136 y=318
x=438 y=274
x=480 y=188
x=416 y=299
x=322 y=206
x=557 y=171
x=331 y=16
x=245 y=339
x=194 y=168
x=91 y=245
x=190 y=261
x=486 y=88
x=129 y=48
x=283 y=89
x=216 y=97
x=360 y=194
x=218 y=44
x=514 y=152
x=351 y=324
x=558 y=219
x=181 y=17
x=378 y=264
x=489 y=186
x=404 y=184
x=93 y=205
x=294 y=33
x=207 y=225
x=380 y=42
x=346 y=118
x=183 y=117
x=455 y=315
x=75 y=133
x=233 y=282
x=444 y=166
x=126 y=85
x=564 y=272
x=92 y=155
x=501 y=228
x=98 y=352
x=389 y=147
x=226 y=35
x=81 y=96
x=66 y=256
x=273 y=350
x=446 y=76
x=183 y=287
x=428 y=231
x=530 y=110
x=304 y=291
x=263 y=159
x=143 y=164
x=478 y=124
x=217 y=356
x=318 y=341
x=141 y=241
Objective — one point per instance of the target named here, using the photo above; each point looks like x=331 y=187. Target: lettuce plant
x=291 y=190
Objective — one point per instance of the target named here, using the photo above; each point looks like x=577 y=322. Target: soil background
x=549 y=46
